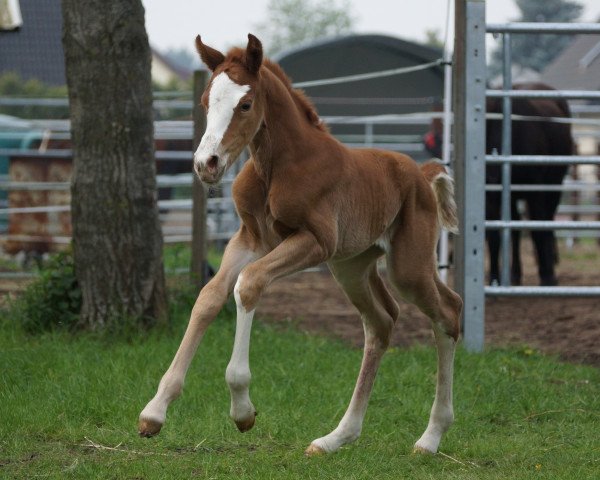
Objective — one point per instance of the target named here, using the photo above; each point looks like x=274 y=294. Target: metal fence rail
x=543 y=291
x=540 y=225
x=556 y=94
x=545 y=159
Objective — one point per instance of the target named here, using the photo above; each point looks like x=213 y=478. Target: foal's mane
x=303 y=104
x=300 y=99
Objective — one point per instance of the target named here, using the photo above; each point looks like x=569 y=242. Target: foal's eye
x=245 y=106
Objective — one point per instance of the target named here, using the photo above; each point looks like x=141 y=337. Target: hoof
x=148 y=428
x=247 y=424
x=314 y=450
x=417 y=450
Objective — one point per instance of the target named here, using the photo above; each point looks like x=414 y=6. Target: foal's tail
x=443 y=188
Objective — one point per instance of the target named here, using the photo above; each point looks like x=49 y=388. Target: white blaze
x=224 y=96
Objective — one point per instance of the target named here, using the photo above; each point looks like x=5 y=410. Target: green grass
x=178 y=256
x=519 y=415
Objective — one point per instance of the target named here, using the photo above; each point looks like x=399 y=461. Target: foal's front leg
x=237 y=375
x=210 y=301
x=295 y=253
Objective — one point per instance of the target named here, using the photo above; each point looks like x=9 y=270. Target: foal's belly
x=357 y=237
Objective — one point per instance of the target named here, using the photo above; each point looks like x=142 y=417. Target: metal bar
x=68 y=153
x=580 y=209
x=53 y=239
x=505 y=210
x=544 y=159
x=543 y=291
x=162 y=181
x=34 y=186
x=546 y=188
x=554 y=28
x=177 y=204
x=469 y=143
x=566 y=94
x=64 y=102
x=541 y=225
x=42 y=209
x=444 y=247
x=577 y=234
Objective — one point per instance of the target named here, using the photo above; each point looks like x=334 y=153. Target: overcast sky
x=224 y=23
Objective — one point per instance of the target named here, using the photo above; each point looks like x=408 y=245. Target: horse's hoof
x=418 y=450
x=247 y=424
x=148 y=427
x=314 y=450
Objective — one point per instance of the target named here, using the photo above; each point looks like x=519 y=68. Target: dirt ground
x=569 y=327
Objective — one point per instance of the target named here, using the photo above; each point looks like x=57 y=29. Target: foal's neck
x=284 y=131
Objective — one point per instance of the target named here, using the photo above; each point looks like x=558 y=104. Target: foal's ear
x=254 y=54
x=211 y=57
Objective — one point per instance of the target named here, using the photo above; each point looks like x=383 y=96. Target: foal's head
x=233 y=105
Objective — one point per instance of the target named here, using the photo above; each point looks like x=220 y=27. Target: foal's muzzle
x=209 y=170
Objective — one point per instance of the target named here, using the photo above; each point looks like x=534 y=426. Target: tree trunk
x=117 y=238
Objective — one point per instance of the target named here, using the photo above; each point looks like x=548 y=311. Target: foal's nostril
x=213 y=162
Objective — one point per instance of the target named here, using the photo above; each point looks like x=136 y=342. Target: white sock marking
x=442 y=413
x=238 y=374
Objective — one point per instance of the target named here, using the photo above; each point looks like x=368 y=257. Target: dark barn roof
x=356 y=54
x=35 y=50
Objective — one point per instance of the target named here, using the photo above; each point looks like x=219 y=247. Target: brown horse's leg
x=361 y=282
x=295 y=253
x=412 y=269
x=210 y=300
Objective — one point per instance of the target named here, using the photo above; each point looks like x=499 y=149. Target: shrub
x=51 y=301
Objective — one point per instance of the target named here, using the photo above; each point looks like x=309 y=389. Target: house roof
x=35 y=50
x=577 y=67
x=182 y=73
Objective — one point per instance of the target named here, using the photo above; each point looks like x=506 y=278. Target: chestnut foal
x=303 y=199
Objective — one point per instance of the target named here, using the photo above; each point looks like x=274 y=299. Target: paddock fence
x=580 y=198
x=35 y=182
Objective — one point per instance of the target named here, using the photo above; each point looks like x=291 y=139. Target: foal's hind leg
x=361 y=282
x=411 y=266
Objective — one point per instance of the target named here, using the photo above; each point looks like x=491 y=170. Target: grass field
x=69 y=405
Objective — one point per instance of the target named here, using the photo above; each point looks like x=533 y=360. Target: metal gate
x=470 y=77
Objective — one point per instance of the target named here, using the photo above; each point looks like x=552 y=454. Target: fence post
x=199 y=266
x=469 y=161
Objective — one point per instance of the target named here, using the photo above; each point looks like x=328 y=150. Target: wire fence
x=176 y=213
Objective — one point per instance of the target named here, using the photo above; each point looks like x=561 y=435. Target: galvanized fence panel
x=474 y=318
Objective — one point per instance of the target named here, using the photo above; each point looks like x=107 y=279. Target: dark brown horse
x=528 y=138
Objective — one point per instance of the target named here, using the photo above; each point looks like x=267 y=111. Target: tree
x=117 y=238
x=292 y=22
x=433 y=38
x=536 y=51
